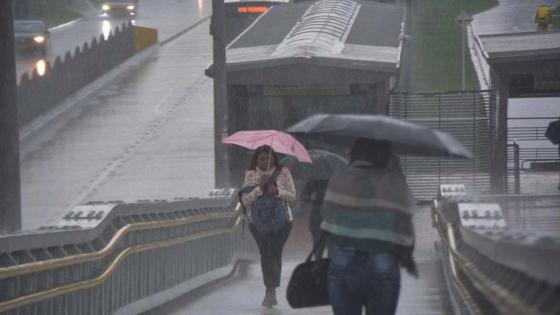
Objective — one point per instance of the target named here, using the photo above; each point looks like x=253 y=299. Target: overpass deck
x=243 y=293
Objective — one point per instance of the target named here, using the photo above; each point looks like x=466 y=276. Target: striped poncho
x=366 y=205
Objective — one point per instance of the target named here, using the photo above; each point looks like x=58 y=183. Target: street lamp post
x=464 y=19
x=10 y=202
x=221 y=171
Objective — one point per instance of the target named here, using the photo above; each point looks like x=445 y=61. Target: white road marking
x=161 y=102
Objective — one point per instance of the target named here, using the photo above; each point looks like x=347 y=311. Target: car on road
x=120 y=7
x=31 y=35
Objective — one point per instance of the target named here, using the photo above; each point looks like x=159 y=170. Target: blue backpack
x=269 y=213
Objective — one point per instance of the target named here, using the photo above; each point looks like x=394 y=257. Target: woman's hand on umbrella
x=272 y=189
x=264 y=180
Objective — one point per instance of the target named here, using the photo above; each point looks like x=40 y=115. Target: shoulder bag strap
x=320 y=241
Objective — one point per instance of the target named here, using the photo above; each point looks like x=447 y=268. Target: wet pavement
x=147 y=136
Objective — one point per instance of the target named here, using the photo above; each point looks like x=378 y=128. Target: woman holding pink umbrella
x=267 y=189
x=265 y=176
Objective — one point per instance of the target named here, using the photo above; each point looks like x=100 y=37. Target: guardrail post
x=10 y=203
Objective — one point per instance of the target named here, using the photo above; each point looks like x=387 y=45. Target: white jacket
x=284 y=182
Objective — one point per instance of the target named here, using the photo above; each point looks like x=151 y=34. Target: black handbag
x=308 y=284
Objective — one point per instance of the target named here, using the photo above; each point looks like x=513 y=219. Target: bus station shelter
x=312 y=57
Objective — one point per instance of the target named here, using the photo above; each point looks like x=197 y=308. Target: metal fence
x=529 y=149
x=466 y=115
x=493 y=267
x=529 y=134
x=134 y=251
x=513 y=183
x=40 y=92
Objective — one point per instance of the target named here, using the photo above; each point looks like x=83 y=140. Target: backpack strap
x=239 y=196
x=275 y=175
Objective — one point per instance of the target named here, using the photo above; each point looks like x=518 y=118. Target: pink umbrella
x=279 y=141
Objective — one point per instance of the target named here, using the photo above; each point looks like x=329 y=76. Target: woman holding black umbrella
x=367 y=209
x=368 y=220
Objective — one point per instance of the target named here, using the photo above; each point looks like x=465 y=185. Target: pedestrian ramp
x=243 y=293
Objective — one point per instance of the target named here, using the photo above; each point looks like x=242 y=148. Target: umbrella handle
x=269 y=155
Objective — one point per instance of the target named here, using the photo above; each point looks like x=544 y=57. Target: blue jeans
x=359 y=279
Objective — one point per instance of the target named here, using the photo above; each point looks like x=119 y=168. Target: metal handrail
x=32 y=298
x=494 y=292
x=120 y=257
x=35 y=297
x=27 y=268
x=439 y=222
x=461 y=257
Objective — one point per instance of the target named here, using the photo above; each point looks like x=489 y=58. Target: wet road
x=168 y=16
x=147 y=136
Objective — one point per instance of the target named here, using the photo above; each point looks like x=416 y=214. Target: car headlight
x=130 y=7
x=105 y=7
x=39 y=39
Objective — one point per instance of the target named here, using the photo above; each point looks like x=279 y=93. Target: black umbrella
x=325 y=165
x=406 y=137
x=553 y=132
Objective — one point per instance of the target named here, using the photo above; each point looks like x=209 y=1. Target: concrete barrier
x=42 y=91
x=144 y=37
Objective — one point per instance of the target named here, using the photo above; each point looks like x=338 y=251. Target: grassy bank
x=436 y=44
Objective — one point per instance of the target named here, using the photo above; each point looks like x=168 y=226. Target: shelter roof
x=521 y=46
x=337 y=33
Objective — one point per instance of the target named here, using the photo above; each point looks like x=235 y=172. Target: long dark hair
x=376 y=152
x=268 y=150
